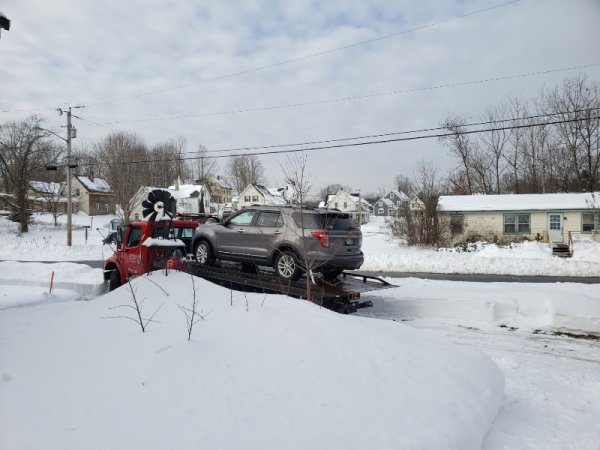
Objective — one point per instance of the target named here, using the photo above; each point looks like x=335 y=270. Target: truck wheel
x=203 y=253
x=286 y=266
x=331 y=274
x=114 y=281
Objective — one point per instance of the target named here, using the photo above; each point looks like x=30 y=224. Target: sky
x=247 y=74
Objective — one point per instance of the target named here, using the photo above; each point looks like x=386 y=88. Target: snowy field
x=433 y=364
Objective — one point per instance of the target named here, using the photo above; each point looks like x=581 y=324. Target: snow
x=519 y=202
x=433 y=364
x=260 y=372
x=95 y=185
x=385 y=253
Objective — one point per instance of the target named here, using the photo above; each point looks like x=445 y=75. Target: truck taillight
x=323 y=238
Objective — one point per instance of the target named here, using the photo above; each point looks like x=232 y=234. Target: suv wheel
x=203 y=253
x=286 y=266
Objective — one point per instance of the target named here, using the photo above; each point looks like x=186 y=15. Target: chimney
x=177 y=184
x=91 y=177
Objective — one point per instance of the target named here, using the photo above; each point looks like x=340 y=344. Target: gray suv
x=291 y=240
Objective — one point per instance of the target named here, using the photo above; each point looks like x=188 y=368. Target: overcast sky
x=260 y=73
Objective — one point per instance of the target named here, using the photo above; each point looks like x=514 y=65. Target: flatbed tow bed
x=342 y=296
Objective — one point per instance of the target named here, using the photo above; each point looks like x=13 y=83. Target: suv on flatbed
x=291 y=240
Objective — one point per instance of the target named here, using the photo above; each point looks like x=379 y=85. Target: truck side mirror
x=119 y=236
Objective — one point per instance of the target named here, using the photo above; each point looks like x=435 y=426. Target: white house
x=255 y=194
x=542 y=216
x=348 y=203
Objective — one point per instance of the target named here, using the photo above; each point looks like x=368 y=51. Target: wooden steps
x=561 y=250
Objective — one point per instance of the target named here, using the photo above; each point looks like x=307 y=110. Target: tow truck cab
x=144 y=246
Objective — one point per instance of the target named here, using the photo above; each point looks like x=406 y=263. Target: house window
x=380 y=211
x=590 y=221
x=345 y=205
x=136 y=216
x=517 y=223
x=399 y=202
x=456 y=224
x=77 y=192
x=97 y=206
x=106 y=207
x=336 y=204
x=246 y=198
x=380 y=203
x=255 y=198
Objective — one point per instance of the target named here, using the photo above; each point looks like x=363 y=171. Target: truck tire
x=286 y=266
x=204 y=254
x=114 y=280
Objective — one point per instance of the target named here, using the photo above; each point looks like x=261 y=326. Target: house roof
x=97 y=185
x=387 y=201
x=45 y=187
x=185 y=190
x=518 y=202
x=400 y=194
x=271 y=195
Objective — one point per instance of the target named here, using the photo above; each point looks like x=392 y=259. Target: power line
x=350 y=98
x=358 y=144
x=300 y=58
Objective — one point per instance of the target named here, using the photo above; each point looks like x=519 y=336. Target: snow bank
x=562 y=307
x=81 y=279
x=260 y=372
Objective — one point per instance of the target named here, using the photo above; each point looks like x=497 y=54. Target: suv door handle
x=241 y=230
x=277 y=232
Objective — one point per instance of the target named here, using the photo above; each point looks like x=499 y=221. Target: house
x=191 y=199
x=533 y=216
x=49 y=196
x=220 y=191
x=93 y=195
x=390 y=204
x=348 y=203
x=255 y=194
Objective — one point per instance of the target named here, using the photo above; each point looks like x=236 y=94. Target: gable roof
x=518 y=202
x=271 y=195
x=399 y=194
x=185 y=190
x=387 y=201
x=97 y=185
x=45 y=187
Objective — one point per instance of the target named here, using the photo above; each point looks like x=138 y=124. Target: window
x=336 y=204
x=269 y=219
x=106 y=207
x=243 y=218
x=246 y=198
x=345 y=205
x=97 y=206
x=399 y=202
x=456 y=224
x=590 y=221
x=134 y=237
x=380 y=211
x=380 y=203
x=136 y=216
x=517 y=223
x=77 y=192
x=255 y=198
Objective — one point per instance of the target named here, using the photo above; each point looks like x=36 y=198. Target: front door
x=555 y=227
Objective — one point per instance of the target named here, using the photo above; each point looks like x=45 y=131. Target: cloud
x=87 y=51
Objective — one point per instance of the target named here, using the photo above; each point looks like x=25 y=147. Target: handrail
x=570 y=242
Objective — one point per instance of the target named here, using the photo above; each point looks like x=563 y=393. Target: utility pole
x=71 y=133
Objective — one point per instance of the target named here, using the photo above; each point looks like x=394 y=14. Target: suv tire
x=286 y=266
x=203 y=253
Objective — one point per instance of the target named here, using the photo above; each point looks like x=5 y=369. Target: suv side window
x=134 y=237
x=270 y=219
x=244 y=218
x=308 y=219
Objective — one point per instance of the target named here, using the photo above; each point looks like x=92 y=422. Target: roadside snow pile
x=260 y=372
x=385 y=253
x=82 y=280
x=45 y=242
x=560 y=307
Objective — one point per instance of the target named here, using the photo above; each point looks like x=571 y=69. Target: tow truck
x=162 y=241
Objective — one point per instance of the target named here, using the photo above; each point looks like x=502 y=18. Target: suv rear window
x=325 y=221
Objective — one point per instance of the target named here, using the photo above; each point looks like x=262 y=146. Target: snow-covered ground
x=433 y=364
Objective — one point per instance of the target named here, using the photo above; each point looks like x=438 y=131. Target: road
x=480 y=278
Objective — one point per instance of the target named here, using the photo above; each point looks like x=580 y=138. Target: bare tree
x=205 y=167
x=125 y=157
x=494 y=144
x=404 y=184
x=24 y=149
x=328 y=190
x=168 y=163
x=245 y=170
x=460 y=146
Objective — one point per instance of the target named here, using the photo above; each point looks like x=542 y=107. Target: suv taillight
x=323 y=238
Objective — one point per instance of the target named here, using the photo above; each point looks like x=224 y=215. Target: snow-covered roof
x=45 y=187
x=186 y=190
x=387 y=201
x=97 y=185
x=271 y=195
x=518 y=202
x=400 y=194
